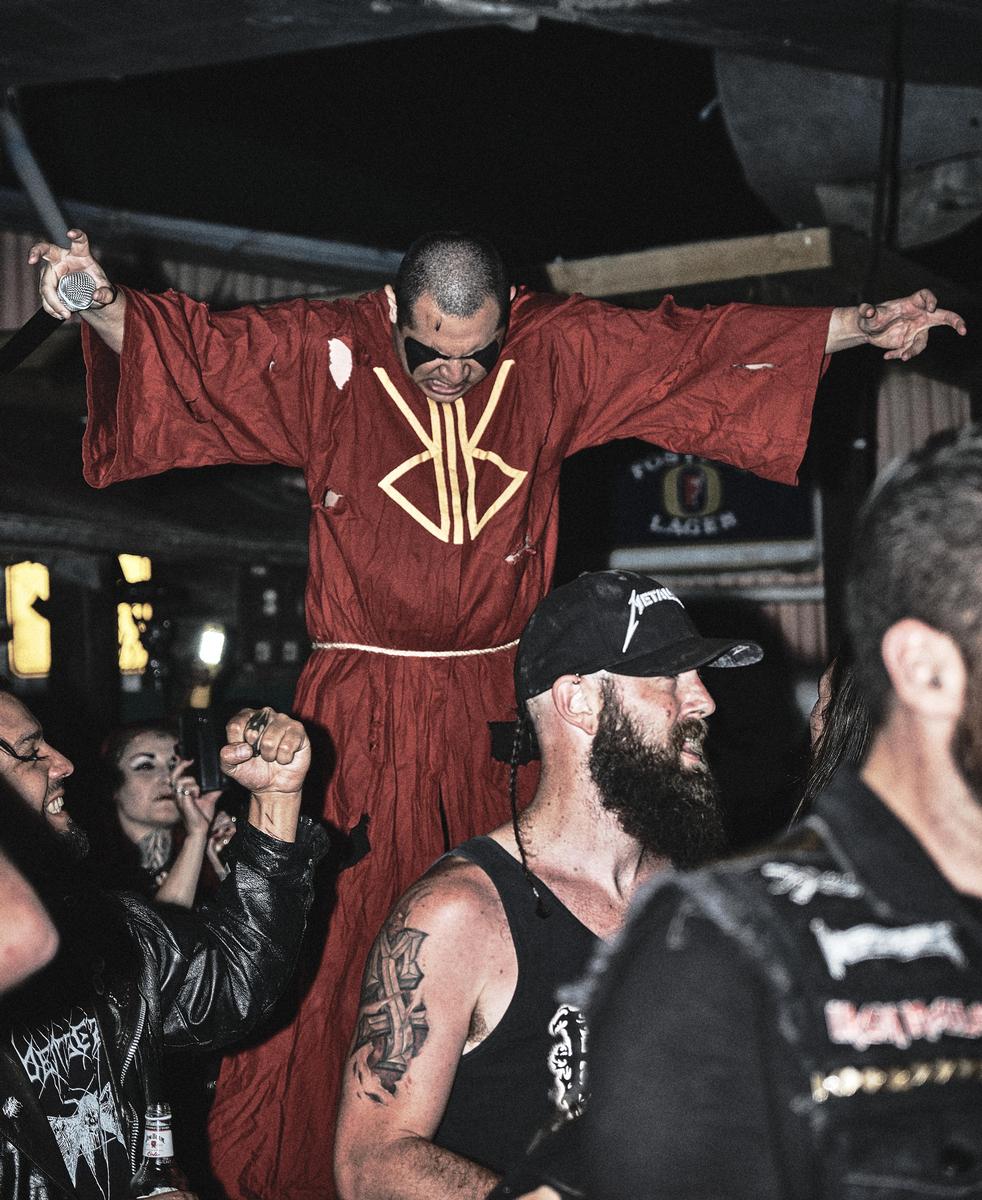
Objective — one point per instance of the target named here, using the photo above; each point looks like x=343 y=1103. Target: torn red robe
x=433 y=529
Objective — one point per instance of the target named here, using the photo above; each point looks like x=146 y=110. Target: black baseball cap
x=617 y=621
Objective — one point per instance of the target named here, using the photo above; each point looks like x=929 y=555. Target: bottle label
x=158 y=1143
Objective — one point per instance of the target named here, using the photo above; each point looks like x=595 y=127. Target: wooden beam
x=694 y=263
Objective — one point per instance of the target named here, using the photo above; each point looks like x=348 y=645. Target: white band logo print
x=842 y=948
x=636 y=605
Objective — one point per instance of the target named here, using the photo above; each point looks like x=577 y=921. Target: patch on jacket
x=801 y=884
x=842 y=948
x=901 y=1022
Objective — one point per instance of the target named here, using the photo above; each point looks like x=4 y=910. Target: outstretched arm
x=422 y=984
x=900 y=327
x=107 y=316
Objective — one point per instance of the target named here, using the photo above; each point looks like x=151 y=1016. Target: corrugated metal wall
x=18 y=281
x=911 y=408
x=225 y=288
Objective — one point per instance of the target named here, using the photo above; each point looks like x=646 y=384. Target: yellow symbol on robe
x=448 y=431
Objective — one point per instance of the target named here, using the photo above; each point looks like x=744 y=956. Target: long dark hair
x=114 y=746
x=115 y=860
x=97 y=947
x=846 y=731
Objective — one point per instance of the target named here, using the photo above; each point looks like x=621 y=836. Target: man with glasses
x=81 y=1041
x=431 y=419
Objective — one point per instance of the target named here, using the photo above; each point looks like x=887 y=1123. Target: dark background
x=568 y=141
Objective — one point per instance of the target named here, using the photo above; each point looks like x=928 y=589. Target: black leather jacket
x=203 y=978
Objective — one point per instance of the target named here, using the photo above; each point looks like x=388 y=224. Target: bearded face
x=673 y=810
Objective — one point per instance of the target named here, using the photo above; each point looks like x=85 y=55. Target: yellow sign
x=131 y=619
x=29 y=649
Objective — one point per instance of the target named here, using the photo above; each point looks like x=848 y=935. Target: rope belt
x=411 y=653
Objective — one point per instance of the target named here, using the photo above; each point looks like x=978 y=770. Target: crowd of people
x=566 y=986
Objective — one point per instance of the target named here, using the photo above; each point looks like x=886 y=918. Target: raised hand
x=901 y=327
x=60 y=261
x=221 y=833
x=197 y=808
x=267 y=751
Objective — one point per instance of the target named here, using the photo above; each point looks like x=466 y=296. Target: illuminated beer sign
x=678 y=508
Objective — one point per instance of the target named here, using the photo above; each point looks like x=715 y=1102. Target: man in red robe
x=431 y=421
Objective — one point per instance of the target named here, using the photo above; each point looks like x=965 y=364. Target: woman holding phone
x=160 y=826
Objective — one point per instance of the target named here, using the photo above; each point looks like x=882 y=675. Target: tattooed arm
x=438 y=977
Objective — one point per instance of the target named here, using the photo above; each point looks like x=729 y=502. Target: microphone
x=76 y=291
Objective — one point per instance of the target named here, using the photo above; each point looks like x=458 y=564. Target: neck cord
x=540 y=907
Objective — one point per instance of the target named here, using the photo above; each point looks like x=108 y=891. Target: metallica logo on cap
x=621 y=622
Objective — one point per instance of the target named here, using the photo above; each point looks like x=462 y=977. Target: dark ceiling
x=54 y=41
x=563 y=129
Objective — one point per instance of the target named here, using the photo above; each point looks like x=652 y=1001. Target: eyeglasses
x=6 y=747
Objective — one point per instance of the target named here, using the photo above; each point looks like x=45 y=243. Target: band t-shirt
x=65 y=1063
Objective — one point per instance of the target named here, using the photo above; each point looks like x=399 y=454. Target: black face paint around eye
x=417 y=354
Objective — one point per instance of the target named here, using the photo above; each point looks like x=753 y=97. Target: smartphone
x=199 y=741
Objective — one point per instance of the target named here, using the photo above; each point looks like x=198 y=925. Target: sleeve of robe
x=734 y=383
x=199 y=388
x=196 y=388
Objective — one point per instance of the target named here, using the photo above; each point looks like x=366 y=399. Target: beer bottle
x=159 y=1171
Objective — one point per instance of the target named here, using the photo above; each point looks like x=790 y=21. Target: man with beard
x=80 y=1043
x=462 y=1052
x=806 y=1022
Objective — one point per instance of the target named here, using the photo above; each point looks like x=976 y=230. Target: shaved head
x=460 y=272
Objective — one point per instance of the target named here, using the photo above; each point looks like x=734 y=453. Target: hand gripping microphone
x=76 y=291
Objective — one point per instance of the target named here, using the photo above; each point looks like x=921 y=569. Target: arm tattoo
x=392 y=1021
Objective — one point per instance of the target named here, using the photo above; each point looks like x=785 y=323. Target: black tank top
x=507 y=1087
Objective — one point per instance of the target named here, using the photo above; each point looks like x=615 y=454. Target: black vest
x=873 y=967
x=532 y=1062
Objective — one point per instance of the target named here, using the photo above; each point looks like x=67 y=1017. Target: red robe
x=444 y=538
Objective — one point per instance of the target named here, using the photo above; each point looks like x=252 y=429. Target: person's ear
x=926 y=669
x=577 y=701
x=393 y=307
